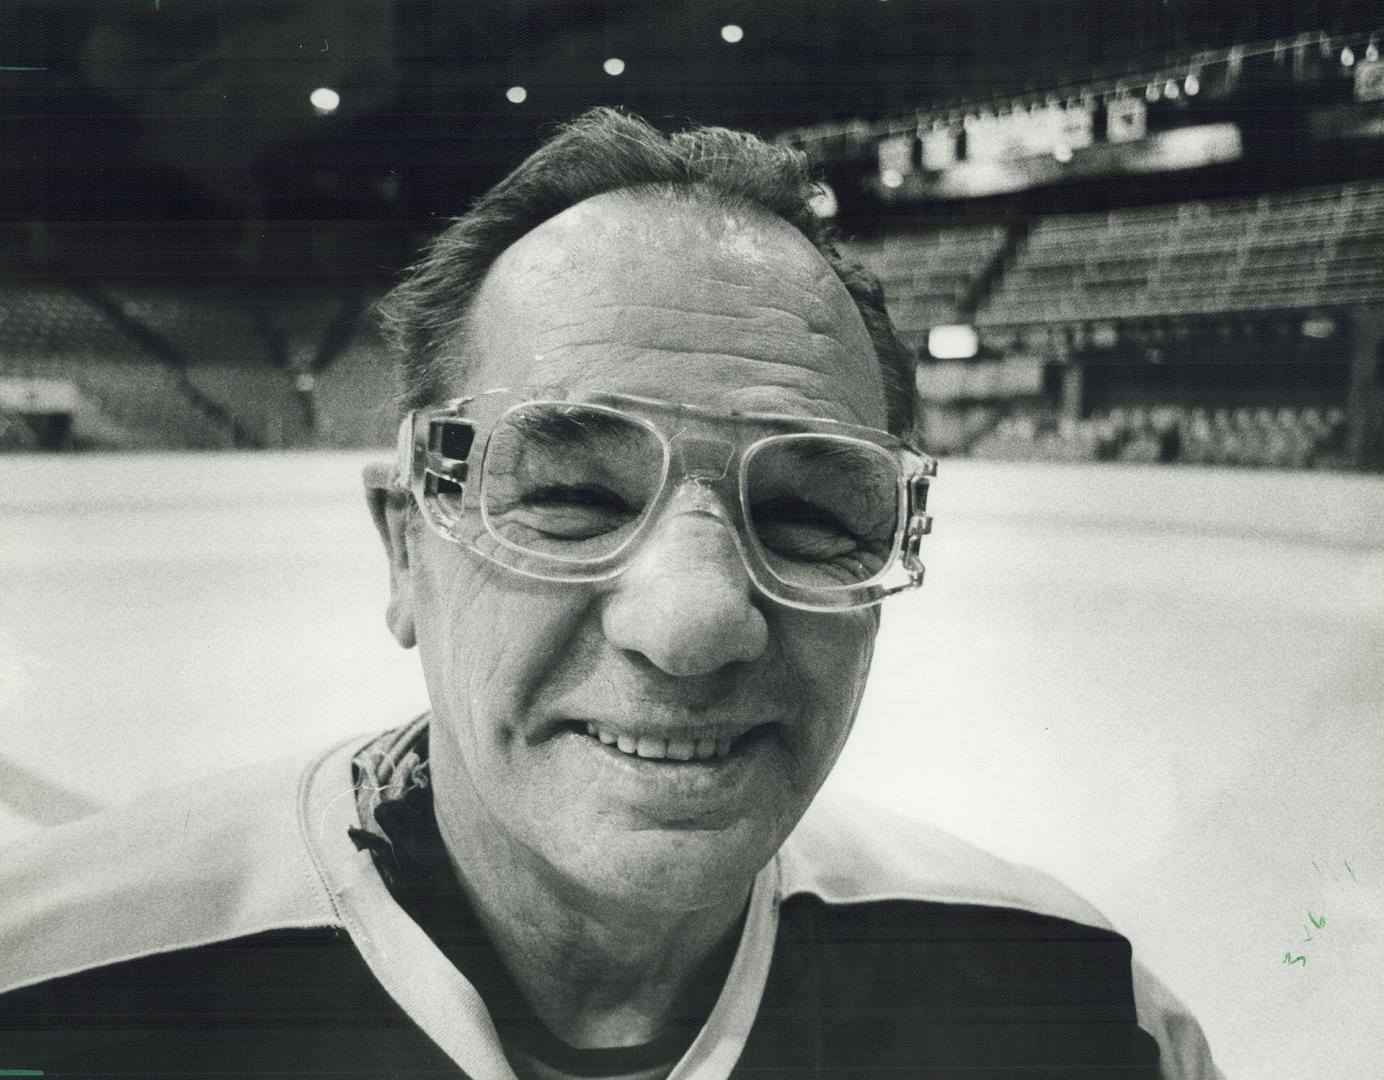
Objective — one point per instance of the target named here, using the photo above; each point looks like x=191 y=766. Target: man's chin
x=634 y=850
x=672 y=870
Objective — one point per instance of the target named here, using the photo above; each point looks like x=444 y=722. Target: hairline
x=698 y=195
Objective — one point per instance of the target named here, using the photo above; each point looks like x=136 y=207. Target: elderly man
x=652 y=485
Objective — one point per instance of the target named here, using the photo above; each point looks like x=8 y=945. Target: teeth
x=681 y=749
x=648 y=746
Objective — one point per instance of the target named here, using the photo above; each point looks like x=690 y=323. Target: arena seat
x=194 y=368
x=1286 y=250
x=356 y=397
x=53 y=333
x=927 y=273
x=1286 y=437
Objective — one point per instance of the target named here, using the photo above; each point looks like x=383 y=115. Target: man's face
x=692 y=304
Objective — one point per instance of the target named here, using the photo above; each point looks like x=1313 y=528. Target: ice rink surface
x=1165 y=686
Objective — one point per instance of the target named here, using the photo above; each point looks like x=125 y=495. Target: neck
x=597 y=970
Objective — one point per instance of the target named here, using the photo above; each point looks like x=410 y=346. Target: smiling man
x=651 y=487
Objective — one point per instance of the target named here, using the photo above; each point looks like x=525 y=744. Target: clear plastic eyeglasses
x=566 y=487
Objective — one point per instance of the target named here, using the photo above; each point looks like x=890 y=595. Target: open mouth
x=675 y=750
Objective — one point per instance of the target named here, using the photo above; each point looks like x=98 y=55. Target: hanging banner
x=1037 y=133
x=1126 y=120
x=982 y=139
x=1369 y=80
x=1026 y=133
x=992 y=138
x=1184 y=148
x=939 y=149
x=896 y=155
x=1077 y=129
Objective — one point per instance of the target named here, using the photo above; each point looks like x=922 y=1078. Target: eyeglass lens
x=568 y=482
x=822 y=509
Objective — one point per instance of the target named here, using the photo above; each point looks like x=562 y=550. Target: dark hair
x=601 y=151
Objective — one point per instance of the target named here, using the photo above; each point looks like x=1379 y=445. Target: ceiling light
x=731 y=33
x=324 y=99
x=956 y=342
x=614 y=66
x=516 y=95
x=1191 y=84
x=1347 y=56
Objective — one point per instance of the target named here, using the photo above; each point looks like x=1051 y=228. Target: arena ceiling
x=205 y=109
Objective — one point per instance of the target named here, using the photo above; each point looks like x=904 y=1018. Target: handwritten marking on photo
x=1316 y=922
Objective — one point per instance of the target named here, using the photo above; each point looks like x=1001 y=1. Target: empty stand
x=1295 y=250
x=52 y=333
x=927 y=274
x=1271 y=438
x=200 y=367
x=356 y=398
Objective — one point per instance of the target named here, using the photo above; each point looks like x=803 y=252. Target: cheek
x=829 y=657
x=448 y=642
x=488 y=641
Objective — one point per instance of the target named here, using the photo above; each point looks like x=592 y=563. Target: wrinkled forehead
x=679 y=299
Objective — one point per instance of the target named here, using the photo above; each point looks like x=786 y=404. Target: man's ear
x=390 y=508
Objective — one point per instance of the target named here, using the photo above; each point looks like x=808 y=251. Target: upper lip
x=693 y=731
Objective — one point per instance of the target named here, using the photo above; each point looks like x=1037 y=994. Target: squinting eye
x=565 y=512
x=800 y=530
x=797 y=512
x=566 y=496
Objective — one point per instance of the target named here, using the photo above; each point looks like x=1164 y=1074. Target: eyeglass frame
x=437 y=445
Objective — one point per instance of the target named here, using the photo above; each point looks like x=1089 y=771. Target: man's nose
x=686 y=603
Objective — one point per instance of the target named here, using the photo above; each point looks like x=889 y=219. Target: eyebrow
x=829 y=450
x=566 y=427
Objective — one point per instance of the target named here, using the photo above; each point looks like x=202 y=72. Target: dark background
x=198 y=110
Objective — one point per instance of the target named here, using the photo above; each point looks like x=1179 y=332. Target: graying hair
x=606 y=150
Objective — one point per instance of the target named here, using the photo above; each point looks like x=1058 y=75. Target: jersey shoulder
x=846 y=850
x=207 y=861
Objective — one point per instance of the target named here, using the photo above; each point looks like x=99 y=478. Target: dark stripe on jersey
x=907 y=988
x=294 y=1003
x=871 y=990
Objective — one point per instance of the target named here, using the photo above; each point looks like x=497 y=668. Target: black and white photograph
x=425 y=651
